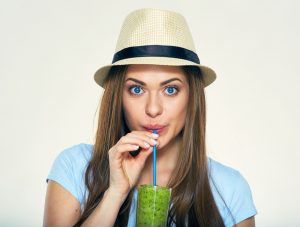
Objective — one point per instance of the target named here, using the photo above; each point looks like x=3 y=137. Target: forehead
x=157 y=72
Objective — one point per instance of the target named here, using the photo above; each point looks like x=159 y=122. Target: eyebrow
x=161 y=84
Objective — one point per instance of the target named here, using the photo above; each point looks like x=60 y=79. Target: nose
x=154 y=105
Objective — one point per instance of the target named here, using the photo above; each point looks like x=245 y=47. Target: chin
x=162 y=144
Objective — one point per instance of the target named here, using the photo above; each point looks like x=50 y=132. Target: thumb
x=145 y=154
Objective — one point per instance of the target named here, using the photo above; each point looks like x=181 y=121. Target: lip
x=159 y=128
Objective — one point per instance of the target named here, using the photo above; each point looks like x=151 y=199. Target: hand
x=125 y=169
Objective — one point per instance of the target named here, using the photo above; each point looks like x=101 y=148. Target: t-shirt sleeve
x=62 y=172
x=241 y=204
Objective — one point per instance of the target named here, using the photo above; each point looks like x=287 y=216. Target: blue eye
x=135 y=90
x=172 y=90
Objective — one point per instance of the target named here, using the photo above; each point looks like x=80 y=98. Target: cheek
x=178 y=113
x=132 y=112
x=180 y=116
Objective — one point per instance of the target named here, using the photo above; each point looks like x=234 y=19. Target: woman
x=155 y=82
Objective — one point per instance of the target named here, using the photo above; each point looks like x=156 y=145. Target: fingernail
x=153 y=141
x=146 y=144
x=155 y=135
x=135 y=146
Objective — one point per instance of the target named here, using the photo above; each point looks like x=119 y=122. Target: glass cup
x=152 y=206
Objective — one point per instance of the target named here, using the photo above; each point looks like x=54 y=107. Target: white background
x=49 y=51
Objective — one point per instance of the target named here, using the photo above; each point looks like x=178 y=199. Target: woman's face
x=156 y=97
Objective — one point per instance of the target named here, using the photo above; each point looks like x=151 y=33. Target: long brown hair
x=192 y=198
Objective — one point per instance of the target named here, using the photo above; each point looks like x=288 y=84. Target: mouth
x=159 y=128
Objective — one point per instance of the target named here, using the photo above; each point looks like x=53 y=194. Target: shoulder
x=68 y=169
x=74 y=157
x=223 y=173
x=80 y=153
x=225 y=178
x=231 y=191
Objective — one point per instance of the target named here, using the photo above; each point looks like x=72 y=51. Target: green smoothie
x=152 y=206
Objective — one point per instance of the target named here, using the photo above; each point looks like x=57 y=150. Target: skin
x=157 y=104
x=152 y=104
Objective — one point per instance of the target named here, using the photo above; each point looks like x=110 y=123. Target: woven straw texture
x=155 y=27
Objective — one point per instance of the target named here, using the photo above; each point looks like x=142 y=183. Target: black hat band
x=156 y=51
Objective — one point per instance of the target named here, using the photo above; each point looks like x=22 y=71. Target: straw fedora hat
x=154 y=36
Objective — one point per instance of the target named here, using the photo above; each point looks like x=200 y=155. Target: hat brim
x=209 y=75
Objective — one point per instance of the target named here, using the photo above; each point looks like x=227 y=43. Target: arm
x=124 y=174
x=249 y=222
x=61 y=207
x=106 y=212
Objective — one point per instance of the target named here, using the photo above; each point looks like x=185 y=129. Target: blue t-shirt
x=69 y=168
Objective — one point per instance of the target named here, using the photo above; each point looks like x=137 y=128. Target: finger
x=145 y=133
x=122 y=148
x=143 y=155
x=143 y=142
x=136 y=152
